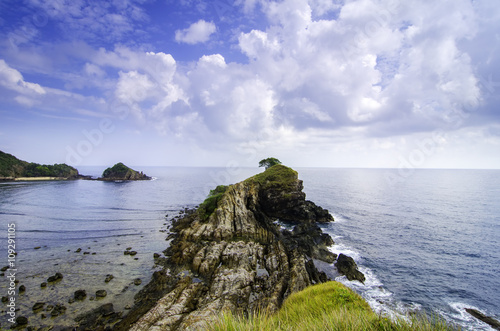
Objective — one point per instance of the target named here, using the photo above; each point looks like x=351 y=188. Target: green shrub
x=208 y=206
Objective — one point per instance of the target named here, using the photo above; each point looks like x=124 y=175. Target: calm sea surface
x=428 y=241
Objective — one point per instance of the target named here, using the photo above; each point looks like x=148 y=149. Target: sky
x=315 y=83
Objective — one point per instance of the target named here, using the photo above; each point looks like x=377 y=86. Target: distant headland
x=14 y=169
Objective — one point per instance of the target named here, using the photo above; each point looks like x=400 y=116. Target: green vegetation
x=10 y=166
x=275 y=176
x=269 y=162
x=328 y=306
x=208 y=206
x=118 y=170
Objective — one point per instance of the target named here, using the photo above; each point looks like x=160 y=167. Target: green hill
x=12 y=167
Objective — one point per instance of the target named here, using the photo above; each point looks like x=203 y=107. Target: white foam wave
x=458 y=315
x=338 y=219
x=380 y=299
x=340 y=248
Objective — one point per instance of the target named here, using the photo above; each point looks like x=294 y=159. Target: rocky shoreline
x=245 y=249
x=238 y=258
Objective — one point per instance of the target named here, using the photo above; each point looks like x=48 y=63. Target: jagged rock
x=235 y=257
x=346 y=266
x=109 y=277
x=482 y=317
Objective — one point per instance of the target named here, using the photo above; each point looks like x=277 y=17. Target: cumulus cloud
x=198 y=32
x=13 y=80
x=348 y=75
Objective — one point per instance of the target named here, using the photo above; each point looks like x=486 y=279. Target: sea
x=426 y=240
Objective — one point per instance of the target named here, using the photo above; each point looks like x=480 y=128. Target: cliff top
x=275 y=176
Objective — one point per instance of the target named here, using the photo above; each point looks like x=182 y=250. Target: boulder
x=57 y=277
x=80 y=295
x=346 y=266
x=101 y=293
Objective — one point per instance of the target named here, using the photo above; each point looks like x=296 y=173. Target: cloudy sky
x=332 y=83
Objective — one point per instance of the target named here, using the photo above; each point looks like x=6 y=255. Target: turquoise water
x=427 y=241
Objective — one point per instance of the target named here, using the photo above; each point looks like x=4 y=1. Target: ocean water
x=427 y=241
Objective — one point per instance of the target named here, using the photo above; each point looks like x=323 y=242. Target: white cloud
x=198 y=32
x=13 y=80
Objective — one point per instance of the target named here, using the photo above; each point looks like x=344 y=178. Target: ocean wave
x=380 y=299
x=457 y=314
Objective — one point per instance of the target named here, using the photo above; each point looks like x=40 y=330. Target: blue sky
x=361 y=83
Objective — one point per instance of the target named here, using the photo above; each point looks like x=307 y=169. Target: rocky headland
x=232 y=254
x=12 y=168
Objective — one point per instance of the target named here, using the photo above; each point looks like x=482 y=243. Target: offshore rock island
x=121 y=172
x=232 y=254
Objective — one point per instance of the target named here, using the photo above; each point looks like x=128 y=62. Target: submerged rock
x=101 y=293
x=58 y=310
x=346 y=266
x=57 y=277
x=482 y=317
x=232 y=255
x=80 y=295
x=98 y=318
x=38 y=306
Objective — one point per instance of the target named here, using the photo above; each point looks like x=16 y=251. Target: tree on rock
x=269 y=162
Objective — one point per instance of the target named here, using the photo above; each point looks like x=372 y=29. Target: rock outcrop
x=237 y=259
x=121 y=172
x=482 y=317
x=346 y=266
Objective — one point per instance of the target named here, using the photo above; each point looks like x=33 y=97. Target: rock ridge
x=239 y=259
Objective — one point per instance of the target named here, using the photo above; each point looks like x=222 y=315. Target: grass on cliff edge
x=277 y=175
x=327 y=306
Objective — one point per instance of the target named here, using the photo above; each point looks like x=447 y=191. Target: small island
x=121 y=172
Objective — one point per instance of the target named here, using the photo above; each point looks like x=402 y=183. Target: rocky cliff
x=238 y=257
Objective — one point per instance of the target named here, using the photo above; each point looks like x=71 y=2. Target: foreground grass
x=328 y=306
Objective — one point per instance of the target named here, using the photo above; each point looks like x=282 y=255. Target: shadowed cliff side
x=236 y=257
